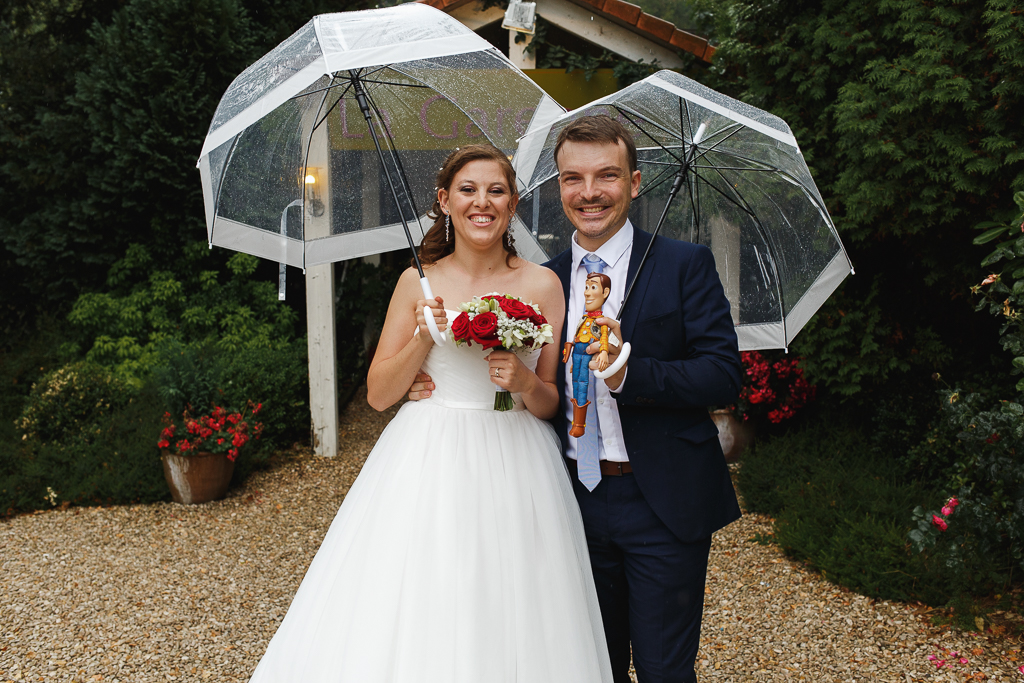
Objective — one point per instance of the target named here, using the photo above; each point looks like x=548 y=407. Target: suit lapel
x=643 y=278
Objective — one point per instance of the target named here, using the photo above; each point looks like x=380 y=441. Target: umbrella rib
x=398 y=162
x=716 y=145
x=305 y=166
x=684 y=106
x=313 y=92
x=738 y=205
x=331 y=108
x=657 y=182
x=626 y=113
x=740 y=168
x=693 y=207
x=768 y=244
x=403 y=85
x=737 y=126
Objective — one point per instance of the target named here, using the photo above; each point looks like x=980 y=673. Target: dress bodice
x=460 y=373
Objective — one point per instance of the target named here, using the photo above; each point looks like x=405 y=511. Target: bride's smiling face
x=480 y=203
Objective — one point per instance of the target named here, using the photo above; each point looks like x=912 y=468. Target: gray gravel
x=172 y=592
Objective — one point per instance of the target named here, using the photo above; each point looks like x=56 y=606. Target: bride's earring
x=447 y=225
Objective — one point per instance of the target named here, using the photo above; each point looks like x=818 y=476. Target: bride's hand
x=440 y=317
x=508 y=372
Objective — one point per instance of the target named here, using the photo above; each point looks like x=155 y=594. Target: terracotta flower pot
x=197 y=478
x=734 y=434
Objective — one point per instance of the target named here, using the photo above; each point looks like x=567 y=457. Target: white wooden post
x=323 y=368
x=320 y=323
x=517 y=51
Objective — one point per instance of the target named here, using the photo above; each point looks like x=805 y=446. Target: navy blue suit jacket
x=684 y=358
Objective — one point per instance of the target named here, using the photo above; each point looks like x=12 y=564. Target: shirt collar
x=611 y=251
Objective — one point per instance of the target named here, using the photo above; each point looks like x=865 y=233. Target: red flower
x=515 y=309
x=483 y=328
x=460 y=327
x=162 y=443
x=257 y=408
x=939 y=522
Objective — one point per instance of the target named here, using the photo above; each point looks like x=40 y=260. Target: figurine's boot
x=579 y=419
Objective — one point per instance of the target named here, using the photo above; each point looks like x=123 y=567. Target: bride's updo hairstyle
x=434 y=247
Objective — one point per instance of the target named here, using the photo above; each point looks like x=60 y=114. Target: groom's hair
x=600 y=128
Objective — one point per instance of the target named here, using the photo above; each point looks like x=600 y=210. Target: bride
x=458 y=555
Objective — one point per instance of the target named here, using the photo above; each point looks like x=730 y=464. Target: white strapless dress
x=458 y=555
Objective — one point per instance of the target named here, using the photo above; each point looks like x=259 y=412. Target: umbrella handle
x=428 y=313
x=616 y=366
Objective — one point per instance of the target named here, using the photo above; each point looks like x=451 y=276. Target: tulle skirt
x=458 y=556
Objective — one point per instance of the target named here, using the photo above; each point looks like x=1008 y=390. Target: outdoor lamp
x=312 y=194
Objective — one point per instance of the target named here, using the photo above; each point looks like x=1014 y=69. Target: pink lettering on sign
x=344 y=123
x=343 y=114
x=481 y=128
x=523 y=117
x=426 y=126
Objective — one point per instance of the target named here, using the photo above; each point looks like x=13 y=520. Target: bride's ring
x=497 y=372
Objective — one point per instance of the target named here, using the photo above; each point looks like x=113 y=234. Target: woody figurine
x=596 y=290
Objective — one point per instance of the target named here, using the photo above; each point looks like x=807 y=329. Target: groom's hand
x=421 y=387
x=594 y=349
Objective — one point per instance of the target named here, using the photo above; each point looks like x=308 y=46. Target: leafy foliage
x=88 y=438
x=908 y=116
x=842 y=509
x=983 y=542
x=144 y=305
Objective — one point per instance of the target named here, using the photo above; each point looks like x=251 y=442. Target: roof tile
x=659 y=28
x=624 y=11
x=689 y=42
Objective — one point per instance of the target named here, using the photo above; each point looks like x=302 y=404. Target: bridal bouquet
x=501 y=321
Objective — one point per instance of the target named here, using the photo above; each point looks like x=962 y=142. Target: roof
x=630 y=16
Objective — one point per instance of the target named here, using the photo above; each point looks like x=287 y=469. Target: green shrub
x=277 y=377
x=107 y=455
x=71 y=404
x=842 y=509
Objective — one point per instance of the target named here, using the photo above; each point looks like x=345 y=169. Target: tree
x=908 y=113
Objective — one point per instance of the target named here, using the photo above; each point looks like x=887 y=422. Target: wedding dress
x=458 y=555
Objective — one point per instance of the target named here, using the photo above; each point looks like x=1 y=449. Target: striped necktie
x=588 y=454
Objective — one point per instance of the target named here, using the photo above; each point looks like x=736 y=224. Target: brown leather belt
x=609 y=468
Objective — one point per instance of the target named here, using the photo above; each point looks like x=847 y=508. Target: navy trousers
x=650 y=585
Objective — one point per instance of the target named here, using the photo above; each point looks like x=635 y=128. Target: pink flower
x=947 y=511
x=990 y=279
x=939 y=522
x=941 y=663
x=963 y=660
x=952 y=502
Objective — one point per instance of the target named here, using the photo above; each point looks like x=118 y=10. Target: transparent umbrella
x=327 y=147
x=715 y=171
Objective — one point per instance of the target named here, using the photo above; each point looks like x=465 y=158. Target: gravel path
x=171 y=592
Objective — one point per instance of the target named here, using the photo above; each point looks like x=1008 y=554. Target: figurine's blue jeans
x=580 y=372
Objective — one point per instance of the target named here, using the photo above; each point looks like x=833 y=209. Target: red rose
x=516 y=309
x=460 y=327
x=483 y=328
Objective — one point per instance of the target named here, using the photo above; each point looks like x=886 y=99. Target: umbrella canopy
x=290 y=170
x=718 y=172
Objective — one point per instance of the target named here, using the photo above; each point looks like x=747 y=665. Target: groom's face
x=596 y=187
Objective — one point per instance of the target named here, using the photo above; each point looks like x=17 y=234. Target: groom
x=648 y=473
x=651 y=480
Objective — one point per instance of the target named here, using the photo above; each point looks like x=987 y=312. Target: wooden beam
x=607 y=34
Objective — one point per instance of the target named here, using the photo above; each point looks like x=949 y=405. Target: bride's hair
x=434 y=246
